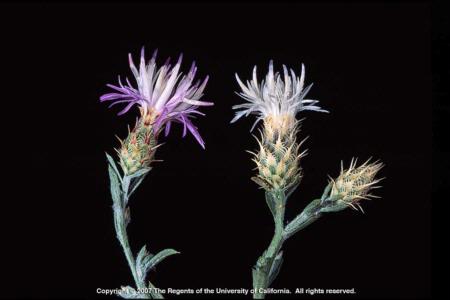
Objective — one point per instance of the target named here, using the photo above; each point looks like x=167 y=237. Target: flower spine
x=164 y=96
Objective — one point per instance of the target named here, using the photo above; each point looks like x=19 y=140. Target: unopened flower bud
x=351 y=186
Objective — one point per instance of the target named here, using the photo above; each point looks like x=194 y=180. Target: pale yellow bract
x=355 y=183
x=279 y=154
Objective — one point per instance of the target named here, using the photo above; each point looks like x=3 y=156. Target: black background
x=371 y=67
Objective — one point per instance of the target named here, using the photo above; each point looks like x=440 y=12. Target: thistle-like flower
x=351 y=186
x=276 y=101
x=277 y=97
x=164 y=95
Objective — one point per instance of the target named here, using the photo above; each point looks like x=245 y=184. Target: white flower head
x=278 y=95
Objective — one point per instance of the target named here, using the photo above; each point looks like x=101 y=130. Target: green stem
x=123 y=239
x=264 y=272
x=121 y=231
x=269 y=263
x=308 y=216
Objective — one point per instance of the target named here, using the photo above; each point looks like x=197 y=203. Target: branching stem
x=269 y=263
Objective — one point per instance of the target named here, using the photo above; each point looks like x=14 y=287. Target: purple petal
x=120 y=101
x=195 y=133
x=184 y=121
x=167 y=62
x=110 y=96
x=127 y=108
x=155 y=53
x=167 y=129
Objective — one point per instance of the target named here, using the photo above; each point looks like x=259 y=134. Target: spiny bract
x=355 y=183
x=278 y=157
x=138 y=149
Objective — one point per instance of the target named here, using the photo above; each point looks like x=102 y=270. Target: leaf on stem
x=113 y=165
x=326 y=191
x=137 y=180
x=310 y=214
x=116 y=192
x=276 y=266
x=139 y=173
x=146 y=261
x=142 y=261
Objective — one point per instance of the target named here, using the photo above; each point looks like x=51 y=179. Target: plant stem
x=308 y=216
x=269 y=263
x=123 y=239
x=264 y=271
x=120 y=222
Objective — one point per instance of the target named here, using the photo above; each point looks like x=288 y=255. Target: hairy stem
x=123 y=239
x=121 y=220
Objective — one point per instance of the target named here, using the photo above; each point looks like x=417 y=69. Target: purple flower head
x=164 y=91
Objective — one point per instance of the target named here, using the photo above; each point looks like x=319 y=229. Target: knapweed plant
x=164 y=96
x=276 y=101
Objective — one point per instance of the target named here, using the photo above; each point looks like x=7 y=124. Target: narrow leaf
x=116 y=192
x=325 y=192
x=139 y=173
x=291 y=190
x=137 y=180
x=276 y=266
x=125 y=188
x=156 y=259
x=142 y=260
x=113 y=165
x=310 y=214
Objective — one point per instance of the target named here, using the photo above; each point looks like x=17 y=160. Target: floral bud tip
x=353 y=184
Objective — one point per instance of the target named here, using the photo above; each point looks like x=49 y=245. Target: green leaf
x=291 y=190
x=113 y=165
x=142 y=260
x=326 y=191
x=310 y=214
x=137 y=181
x=139 y=173
x=119 y=223
x=125 y=189
x=115 y=186
x=156 y=259
x=335 y=207
x=135 y=185
x=276 y=266
x=146 y=261
x=312 y=207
